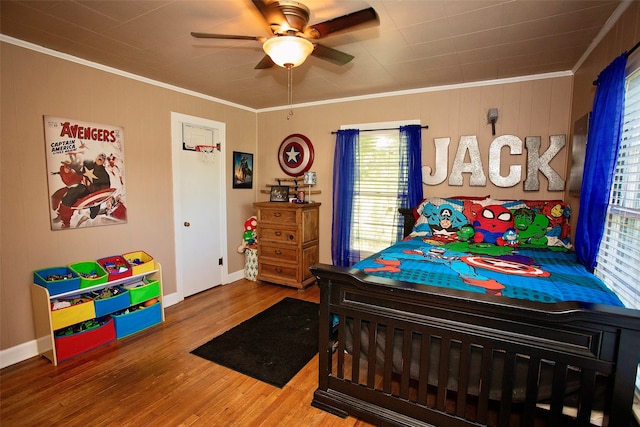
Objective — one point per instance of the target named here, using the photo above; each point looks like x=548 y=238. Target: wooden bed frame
x=591 y=350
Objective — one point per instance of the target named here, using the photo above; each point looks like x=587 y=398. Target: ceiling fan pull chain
x=290 y=91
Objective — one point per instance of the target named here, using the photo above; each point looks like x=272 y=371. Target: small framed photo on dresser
x=279 y=193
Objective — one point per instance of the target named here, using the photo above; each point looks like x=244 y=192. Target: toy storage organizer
x=136 y=303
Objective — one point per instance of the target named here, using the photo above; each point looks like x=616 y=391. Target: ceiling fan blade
x=266 y=62
x=332 y=55
x=273 y=15
x=344 y=22
x=227 y=37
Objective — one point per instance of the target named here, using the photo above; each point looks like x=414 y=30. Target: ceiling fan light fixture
x=288 y=51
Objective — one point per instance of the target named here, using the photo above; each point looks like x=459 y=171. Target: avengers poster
x=85 y=171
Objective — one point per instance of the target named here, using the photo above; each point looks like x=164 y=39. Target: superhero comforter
x=537 y=274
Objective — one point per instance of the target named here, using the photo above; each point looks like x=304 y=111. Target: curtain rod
x=374 y=130
x=628 y=54
x=633 y=49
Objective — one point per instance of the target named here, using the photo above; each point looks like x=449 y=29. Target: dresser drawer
x=278 y=253
x=279 y=272
x=277 y=234
x=278 y=216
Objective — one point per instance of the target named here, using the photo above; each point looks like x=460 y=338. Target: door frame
x=176 y=148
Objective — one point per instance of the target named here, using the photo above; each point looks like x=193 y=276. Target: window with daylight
x=376 y=203
x=619 y=255
x=377 y=170
x=618 y=262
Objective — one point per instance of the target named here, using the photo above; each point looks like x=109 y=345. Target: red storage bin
x=71 y=345
x=117 y=267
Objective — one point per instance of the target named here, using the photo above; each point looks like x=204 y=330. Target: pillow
x=524 y=223
x=540 y=223
x=439 y=218
x=537 y=223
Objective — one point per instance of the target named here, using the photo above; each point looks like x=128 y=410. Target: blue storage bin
x=110 y=305
x=69 y=280
x=135 y=321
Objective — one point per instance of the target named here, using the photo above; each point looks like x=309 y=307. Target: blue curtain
x=410 y=189
x=411 y=137
x=345 y=172
x=600 y=160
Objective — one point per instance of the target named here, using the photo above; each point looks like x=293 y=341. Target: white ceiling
x=418 y=44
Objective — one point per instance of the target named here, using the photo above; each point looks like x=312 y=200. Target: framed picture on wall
x=242 y=170
x=279 y=193
x=578 y=152
x=85 y=172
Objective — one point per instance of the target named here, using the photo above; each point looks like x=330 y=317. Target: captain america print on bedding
x=517 y=249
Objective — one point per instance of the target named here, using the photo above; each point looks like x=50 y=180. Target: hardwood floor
x=152 y=379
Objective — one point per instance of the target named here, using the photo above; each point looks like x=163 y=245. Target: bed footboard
x=395 y=353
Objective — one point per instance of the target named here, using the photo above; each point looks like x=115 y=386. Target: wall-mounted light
x=492 y=117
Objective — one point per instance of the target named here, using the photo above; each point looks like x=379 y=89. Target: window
x=619 y=255
x=376 y=170
x=618 y=262
x=376 y=203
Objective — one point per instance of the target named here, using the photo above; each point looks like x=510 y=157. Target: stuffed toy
x=250 y=235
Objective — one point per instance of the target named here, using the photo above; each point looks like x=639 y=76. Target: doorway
x=199 y=192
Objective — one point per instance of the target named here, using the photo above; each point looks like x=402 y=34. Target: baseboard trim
x=27 y=350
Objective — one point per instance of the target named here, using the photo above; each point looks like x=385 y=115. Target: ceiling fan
x=293 y=41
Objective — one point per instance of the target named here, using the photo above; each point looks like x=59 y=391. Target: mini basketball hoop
x=207 y=153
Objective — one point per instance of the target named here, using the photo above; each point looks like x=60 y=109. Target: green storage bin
x=140 y=291
x=91 y=273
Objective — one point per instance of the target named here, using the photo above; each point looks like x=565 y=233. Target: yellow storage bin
x=82 y=309
x=141 y=291
x=141 y=262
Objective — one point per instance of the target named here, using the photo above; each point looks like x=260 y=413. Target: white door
x=199 y=204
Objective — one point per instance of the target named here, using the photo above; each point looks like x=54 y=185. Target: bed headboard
x=409 y=221
x=543 y=223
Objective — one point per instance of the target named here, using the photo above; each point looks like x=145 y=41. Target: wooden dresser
x=287 y=242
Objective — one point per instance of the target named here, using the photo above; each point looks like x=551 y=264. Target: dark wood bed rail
x=391 y=379
x=408 y=221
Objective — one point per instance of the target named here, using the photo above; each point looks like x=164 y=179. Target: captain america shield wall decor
x=295 y=155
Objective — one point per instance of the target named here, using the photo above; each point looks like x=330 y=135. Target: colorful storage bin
x=116 y=267
x=137 y=320
x=76 y=313
x=140 y=261
x=142 y=291
x=57 y=280
x=90 y=273
x=71 y=345
x=111 y=304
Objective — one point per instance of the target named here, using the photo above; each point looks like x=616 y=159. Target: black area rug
x=272 y=346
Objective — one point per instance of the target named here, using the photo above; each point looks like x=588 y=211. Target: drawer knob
x=291 y=237
x=278 y=252
x=278 y=233
x=277 y=214
x=278 y=270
